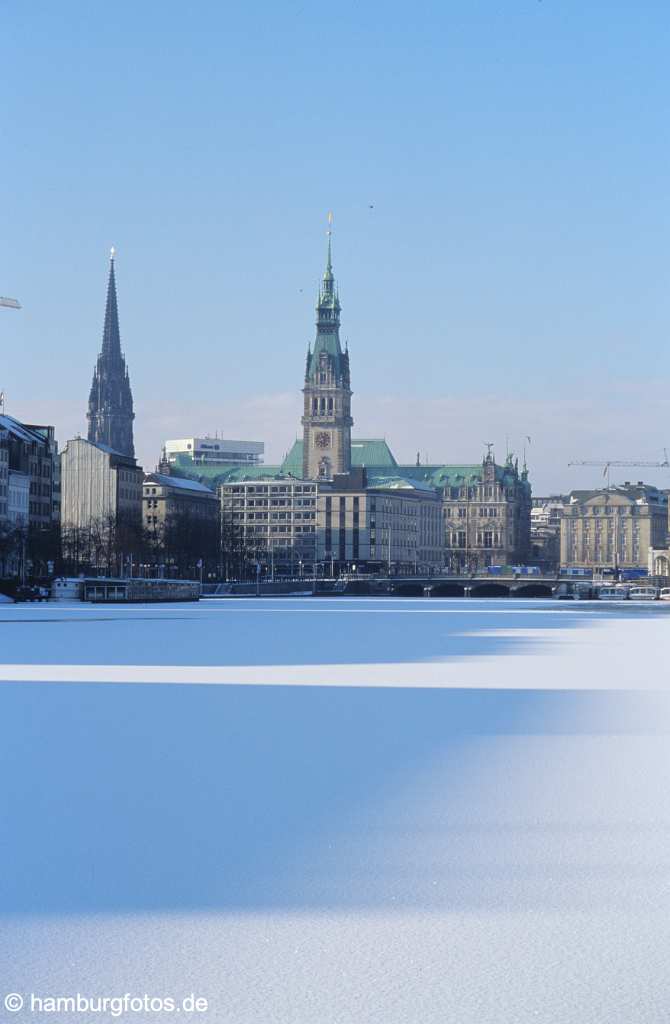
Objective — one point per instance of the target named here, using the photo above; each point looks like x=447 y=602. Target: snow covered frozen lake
x=339 y=810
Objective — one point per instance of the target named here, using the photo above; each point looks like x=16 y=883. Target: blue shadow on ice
x=286 y=632
x=131 y=798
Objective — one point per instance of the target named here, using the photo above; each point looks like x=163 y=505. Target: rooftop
x=116 y=455
x=639 y=492
x=20 y=430
x=181 y=483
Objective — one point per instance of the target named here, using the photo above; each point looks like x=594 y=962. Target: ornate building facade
x=613 y=527
x=327 y=418
x=486 y=514
x=110 y=404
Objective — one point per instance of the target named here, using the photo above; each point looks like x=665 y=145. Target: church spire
x=111 y=337
x=110 y=403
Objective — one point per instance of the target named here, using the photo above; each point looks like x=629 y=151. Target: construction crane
x=606 y=464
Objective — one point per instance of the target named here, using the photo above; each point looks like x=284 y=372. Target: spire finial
x=329 y=232
x=112 y=254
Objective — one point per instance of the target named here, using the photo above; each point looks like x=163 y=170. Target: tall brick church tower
x=327 y=418
x=110 y=404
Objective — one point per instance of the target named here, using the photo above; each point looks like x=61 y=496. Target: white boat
x=665 y=594
x=613 y=593
x=644 y=593
x=67 y=588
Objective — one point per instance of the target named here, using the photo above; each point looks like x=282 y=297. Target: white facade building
x=214 y=451
x=98 y=484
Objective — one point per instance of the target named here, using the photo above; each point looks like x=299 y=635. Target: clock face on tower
x=322 y=439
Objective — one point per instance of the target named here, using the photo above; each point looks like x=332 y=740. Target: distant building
x=210 y=455
x=486 y=514
x=271 y=520
x=545 y=532
x=613 y=527
x=337 y=524
x=99 y=486
x=659 y=562
x=165 y=497
x=391 y=524
x=110 y=404
x=28 y=453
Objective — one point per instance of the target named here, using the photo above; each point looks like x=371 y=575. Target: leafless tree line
x=183 y=546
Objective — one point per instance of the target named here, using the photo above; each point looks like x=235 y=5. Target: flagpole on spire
x=329 y=232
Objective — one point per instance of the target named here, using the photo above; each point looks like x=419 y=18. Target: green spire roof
x=327 y=342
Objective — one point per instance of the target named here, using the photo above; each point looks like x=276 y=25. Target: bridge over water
x=482 y=585
x=437 y=585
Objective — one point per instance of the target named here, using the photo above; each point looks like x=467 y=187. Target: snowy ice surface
x=460 y=814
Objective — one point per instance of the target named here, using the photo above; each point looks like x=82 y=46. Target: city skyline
x=498 y=279
x=279 y=412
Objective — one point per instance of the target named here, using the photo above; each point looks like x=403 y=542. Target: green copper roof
x=212 y=476
x=457 y=475
x=327 y=341
x=293 y=461
x=372 y=451
x=374 y=454
x=398 y=483
x=364 y=452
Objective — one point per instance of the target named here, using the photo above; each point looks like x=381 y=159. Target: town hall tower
x=327 y=418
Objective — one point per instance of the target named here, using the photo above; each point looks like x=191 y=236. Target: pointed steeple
x=328 y=293
x=327 y=342
x=110 y=404
x=111 y=337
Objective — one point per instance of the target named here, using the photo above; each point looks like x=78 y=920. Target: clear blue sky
x=512 y=277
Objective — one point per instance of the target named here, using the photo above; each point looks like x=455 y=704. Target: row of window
x=480 y=491
x=275 y=489
x=482 y=539
x=484 y=512
x=275 y=516
x=319 y=406
x=261 y=531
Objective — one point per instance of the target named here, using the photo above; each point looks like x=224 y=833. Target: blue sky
x=510 y=279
